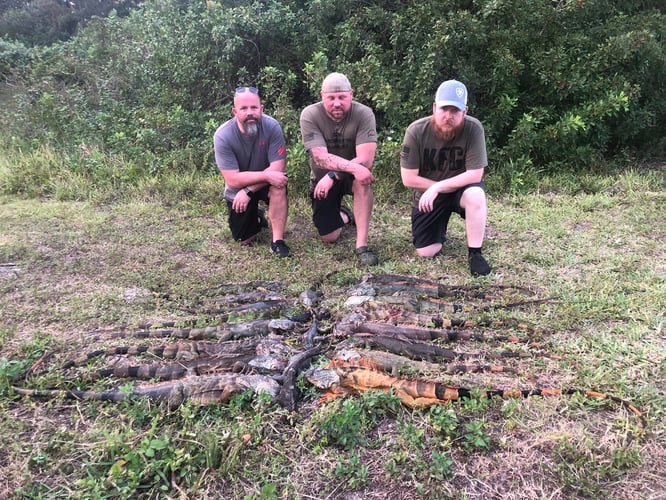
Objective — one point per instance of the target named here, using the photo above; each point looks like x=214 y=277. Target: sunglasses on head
x=253 y=90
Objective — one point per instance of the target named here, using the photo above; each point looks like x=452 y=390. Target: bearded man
x=443 y=158
x=251 y=155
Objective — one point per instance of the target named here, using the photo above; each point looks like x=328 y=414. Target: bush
x=559 y=86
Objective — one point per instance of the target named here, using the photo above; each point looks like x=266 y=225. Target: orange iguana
x=342 y=378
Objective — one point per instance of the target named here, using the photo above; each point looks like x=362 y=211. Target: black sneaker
x=367 y=256
x=478 y=266
x=280 y=249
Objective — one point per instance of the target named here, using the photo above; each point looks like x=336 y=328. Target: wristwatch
x=249 y=192
x=332 y=175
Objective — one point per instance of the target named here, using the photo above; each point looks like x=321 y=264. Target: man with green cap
x=340 y=137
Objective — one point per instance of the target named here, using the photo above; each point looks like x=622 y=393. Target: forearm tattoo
x=333 y=162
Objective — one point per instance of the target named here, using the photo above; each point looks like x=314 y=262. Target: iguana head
x=322 y=378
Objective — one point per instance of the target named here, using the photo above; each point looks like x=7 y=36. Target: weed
x=444 y=420
x=352 y=472
x=624 y=458
x=578 y=468
x=413 y=435
x=267 y=492
x=378 y=404
x=477 y=403
x=343 y=424
x=476 y=436
x=441 y=466
x=10 y=370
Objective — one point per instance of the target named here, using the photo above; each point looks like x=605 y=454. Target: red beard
x=445 y=132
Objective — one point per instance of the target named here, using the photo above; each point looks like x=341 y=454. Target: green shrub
x=560 y=87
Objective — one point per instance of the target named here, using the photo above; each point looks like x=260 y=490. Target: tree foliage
x=43 y=22
x=559 y=85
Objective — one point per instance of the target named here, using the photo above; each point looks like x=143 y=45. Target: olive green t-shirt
x=339 y=138
x=438 y=159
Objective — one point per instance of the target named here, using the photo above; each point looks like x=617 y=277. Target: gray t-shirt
x=339 y=138
x=235 y=151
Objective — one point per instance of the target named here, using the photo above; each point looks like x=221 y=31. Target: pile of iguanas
x=391 y=325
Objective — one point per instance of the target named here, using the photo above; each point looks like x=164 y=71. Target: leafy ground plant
x=67 y=267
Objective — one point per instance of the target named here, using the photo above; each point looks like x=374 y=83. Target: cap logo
x=460 y=92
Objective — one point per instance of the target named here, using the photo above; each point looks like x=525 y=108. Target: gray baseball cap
x=452 y=93
x=336 y=82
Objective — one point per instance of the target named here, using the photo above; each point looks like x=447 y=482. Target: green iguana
x=201 y=390
x=194 y=358
x=391 y=284
x=394 y=363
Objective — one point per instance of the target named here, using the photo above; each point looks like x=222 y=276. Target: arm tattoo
x=332 y=162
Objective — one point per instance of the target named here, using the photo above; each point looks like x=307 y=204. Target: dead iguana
x=201 y=390
x=343 y=378
x=193 y=358
x=394 y=363
x=224 y=331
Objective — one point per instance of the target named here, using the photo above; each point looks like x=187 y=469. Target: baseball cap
x=336 y=82
x=451 y=93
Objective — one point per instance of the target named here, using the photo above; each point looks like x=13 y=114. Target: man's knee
x=361 y=190
x=277 y=193
x=474 y=198
x=331 y=237
x=430 y=251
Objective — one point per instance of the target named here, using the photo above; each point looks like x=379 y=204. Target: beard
x=337 y=114
x=251 y=127
x=447 y=131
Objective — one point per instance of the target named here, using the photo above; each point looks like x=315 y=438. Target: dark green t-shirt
x=437 y=159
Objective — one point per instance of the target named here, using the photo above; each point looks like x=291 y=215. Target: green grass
x=597 y=253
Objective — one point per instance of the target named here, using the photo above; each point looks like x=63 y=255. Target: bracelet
x=249 y=192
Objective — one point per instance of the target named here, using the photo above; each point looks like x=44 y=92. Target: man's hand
x=427 y=199
x=323 y=187
x=276 y=178
x=363 y=175
x=241 y=201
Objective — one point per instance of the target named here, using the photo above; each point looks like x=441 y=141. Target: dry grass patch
x=74 y=272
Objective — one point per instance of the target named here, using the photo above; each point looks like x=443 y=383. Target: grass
x=72 y=269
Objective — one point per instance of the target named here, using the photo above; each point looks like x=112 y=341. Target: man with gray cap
x=340 y=137
x=443 y=158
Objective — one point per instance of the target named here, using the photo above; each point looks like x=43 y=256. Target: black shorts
x=430 y=227
x=326 y=212
x=245 y=225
